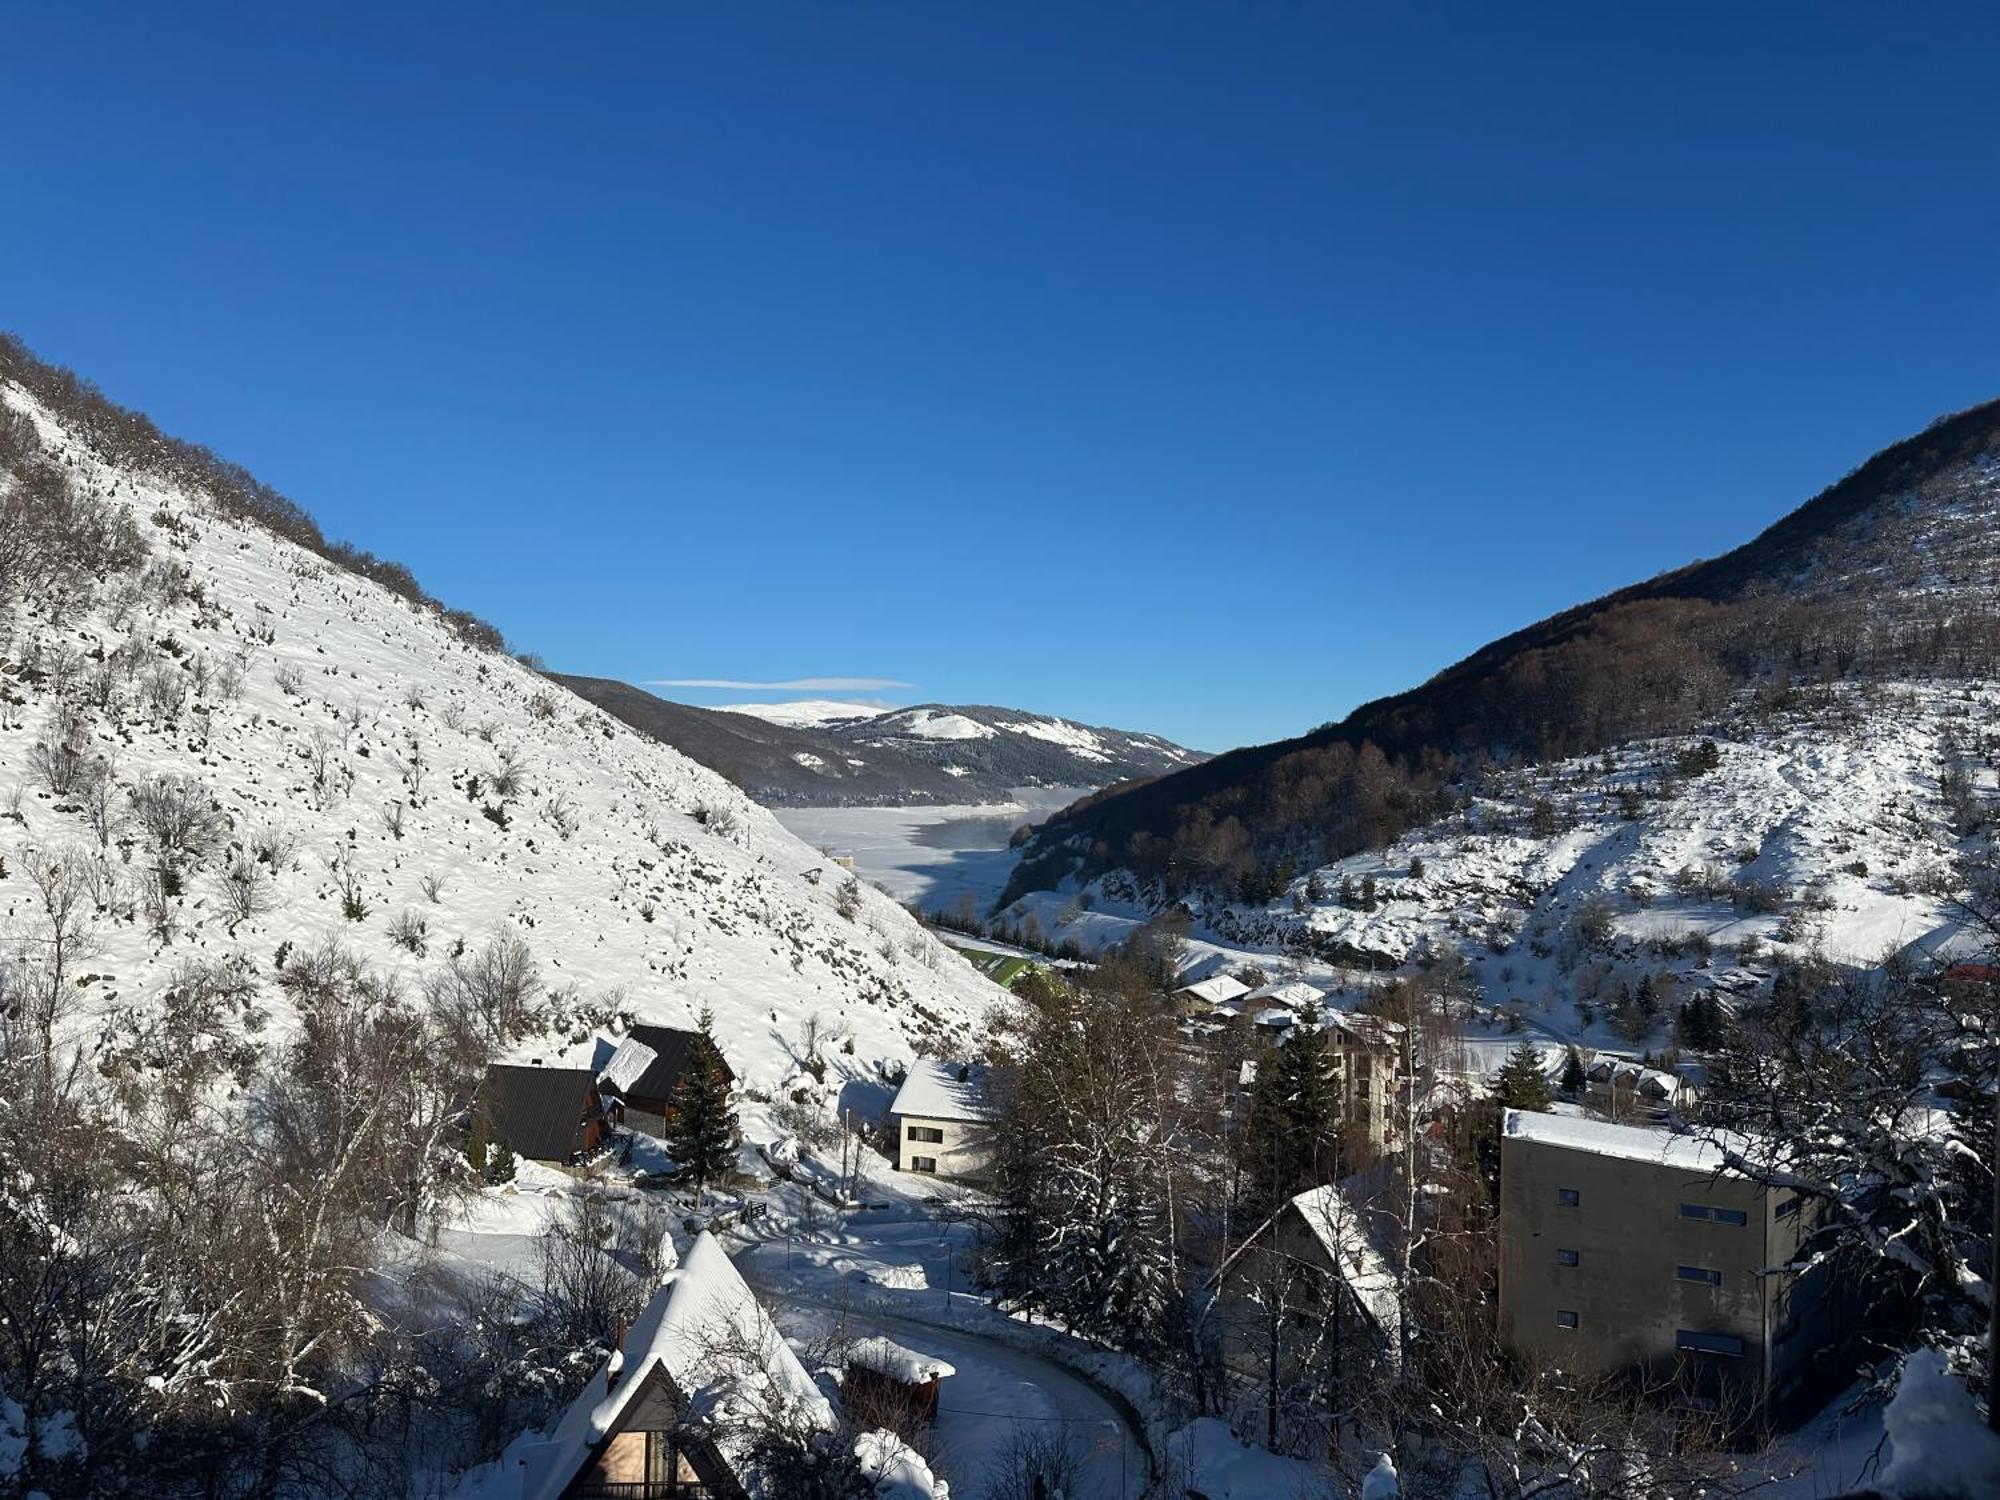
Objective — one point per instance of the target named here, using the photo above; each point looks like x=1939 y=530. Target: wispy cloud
x=795 y=685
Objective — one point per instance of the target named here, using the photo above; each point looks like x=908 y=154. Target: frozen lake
x=930 y=856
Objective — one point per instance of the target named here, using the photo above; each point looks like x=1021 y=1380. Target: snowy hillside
x=354 y=772
x=1830 y=827
x=804 y=713
x=994 y=750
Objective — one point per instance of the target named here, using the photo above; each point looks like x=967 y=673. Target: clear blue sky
x=1201 y=368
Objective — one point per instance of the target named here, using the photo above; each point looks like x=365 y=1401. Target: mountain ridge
x=1824 y=590
x=925 y=754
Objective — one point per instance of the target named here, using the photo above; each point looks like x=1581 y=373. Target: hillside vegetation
x=1893 y=572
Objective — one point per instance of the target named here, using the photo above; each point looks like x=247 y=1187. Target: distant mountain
x=994 y=749
x=1892 y=572
x=778 y=764
x=804 y=713
x=826 y=754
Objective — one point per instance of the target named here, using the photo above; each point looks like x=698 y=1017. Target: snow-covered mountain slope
x=375 y=781
x=780 y=765
x=804 y=713
x=1829 y=825
x=1891 y=573
x=993 y=750
x=818 y=754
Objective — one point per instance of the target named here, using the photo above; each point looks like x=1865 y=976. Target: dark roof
x=673 y=1050
x=538 y=1112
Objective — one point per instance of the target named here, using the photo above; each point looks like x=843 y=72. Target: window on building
x=1709 y=1213
x=1568 y=1198
x=923 y=1164
x=1789 y=1206
x=929 y=1133
x=1698 y=1273
x=1565 y=1257
x=1565 y=1318
x=1708 y=1343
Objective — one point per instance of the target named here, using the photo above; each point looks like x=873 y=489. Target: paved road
x=1001 y=1395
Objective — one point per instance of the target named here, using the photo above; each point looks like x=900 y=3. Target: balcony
x=647 y=1489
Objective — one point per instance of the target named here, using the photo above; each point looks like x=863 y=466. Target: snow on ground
x=1205 y=1458
x=805 y=713
x=929 y=724
x=1822 y=830
x=1058 y=732
x=357 y=737
x=899 y=1273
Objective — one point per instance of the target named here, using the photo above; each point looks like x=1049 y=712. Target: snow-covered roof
x=1340 y=1227
x=704 y=1329
x=1218 y=990
x=898 y=1362
x=1293 y=994
x=628 y=1064
x=1375 y=1031
x=1275 y=1015
x=943 y=1091
x=1638 y=1075
x=1653 y=1144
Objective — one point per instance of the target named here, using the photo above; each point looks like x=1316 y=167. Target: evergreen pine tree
x=1293 y=1138
x=1573 y=1080
x=1522 y=1083
x=701 y=1120
x=500 y=1163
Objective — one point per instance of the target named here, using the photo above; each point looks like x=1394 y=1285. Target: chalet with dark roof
x=553 y=1115
x=646 y=1069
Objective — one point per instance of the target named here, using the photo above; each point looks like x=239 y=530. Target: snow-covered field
x=412 y=795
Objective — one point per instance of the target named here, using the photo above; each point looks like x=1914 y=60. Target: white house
x=943 y=1120
x=1293 y=995
x=1220 y=989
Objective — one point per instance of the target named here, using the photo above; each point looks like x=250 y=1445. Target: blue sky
x=1199 y=368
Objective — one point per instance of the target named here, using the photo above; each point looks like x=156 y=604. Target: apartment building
x=1634 y=1250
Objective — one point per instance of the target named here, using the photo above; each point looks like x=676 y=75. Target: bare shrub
x=561 y=815
x=542 y=706
x=275 y=849
x=510 y=777
x=347 y=880
x=392 y=819
x=410 y=931
x=718 y=818
x=243 y=890
x=290 y=678
x=184 y=824
x=432 y=885
x=164 y=690
x=58 y=759
x=498 y=991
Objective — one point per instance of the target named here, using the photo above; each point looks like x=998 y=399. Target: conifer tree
x=1293 y=1140
x=701 y=1119
x=1574 y=1081
x=1522 y=1083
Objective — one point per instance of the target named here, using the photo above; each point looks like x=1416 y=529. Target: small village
x=1629 y=1249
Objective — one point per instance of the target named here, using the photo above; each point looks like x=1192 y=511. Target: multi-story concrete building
x=1634 y=1250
